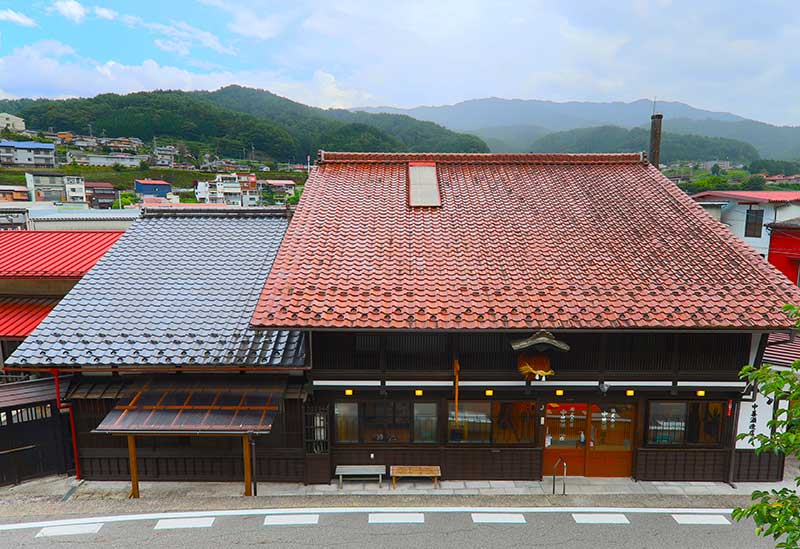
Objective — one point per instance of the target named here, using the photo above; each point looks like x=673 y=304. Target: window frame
x=751 y=224
x=723 y=425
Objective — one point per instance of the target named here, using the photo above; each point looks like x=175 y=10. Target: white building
x=113 y=159
x=165 y=156
x=747 y=212
x=723 y=164
x=27 y=153
x=55 y=187
x=230 y=189
x=11 y=122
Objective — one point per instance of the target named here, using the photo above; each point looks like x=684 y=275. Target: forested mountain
x=673 y=146
x=320 y=128
x=232 y=119
x=490 y=118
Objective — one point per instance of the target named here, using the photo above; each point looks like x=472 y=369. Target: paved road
x=422 y=528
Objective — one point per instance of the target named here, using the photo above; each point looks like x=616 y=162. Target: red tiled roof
x=520 y=242
x=152 y=182
x=20 y=315
x=752 y=196
x=782 y=354
x=52 y=254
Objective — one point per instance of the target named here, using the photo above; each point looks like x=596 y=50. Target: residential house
x=114 y=159
x=12 y=193
x=100 y=195
x=747 y=213
x=151 y=187
x=281 y=189
x=55 y=187
x=65 y=137
x=235 y=189
x=164 y=157
x=173 y=296
x=466 y=311
x=122 y=144
x=27 y=153
x=36 y=270
x=11 y=122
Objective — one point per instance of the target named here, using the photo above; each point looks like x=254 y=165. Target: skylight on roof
x=423 y=187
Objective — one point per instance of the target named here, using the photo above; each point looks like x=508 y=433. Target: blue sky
x=716 y=54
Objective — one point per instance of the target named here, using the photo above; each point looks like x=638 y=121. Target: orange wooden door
x=609 y=452
x=565 y=437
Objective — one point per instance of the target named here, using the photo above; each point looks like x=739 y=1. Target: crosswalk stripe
x=69 y=530
x=169 y=524
x=701 y=519
x=396 y=518
x=290 y=520
x=600 y=518
x=498 y=518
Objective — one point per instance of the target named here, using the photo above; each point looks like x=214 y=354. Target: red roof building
x=52 y=254
x=753 y=197
x=519 y=242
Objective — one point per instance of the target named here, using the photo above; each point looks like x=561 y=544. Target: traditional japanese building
x=498 y=314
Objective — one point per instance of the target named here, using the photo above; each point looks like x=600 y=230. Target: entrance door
x=595 y=439
x=565 y=438
x=610 y=449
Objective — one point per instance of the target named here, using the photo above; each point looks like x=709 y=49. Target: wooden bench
x=360 y=471
x=432 y=471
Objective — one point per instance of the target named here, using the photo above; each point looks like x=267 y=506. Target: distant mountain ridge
x=512 y=125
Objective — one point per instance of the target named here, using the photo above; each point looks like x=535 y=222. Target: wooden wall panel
x=748 y=466
x=682 y=464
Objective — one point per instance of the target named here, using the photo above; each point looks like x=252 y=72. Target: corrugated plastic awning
x=97 y=387
x=21 y=393
x=196 y=406
x=20 y=315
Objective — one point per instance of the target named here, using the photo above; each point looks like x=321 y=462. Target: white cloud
x=105 y=13
x=261 y=24
x=16 y=17
x=181 y=47
x=71 y=9
x=52 y=69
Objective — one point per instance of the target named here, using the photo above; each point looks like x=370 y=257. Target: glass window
x=675 y=423
x=611 y=427
x=565 y=425
x=513 y=422
x=474 y=422
x=387 y=421
x=754 y=223
x=346 y=419
x=425 y=422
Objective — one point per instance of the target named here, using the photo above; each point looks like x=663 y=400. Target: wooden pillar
x=248 y=471
x=133 y=467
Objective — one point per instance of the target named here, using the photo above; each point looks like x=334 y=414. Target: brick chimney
x=655 y=139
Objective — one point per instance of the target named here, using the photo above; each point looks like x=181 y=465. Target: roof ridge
x=224 y=211
x=326 y=157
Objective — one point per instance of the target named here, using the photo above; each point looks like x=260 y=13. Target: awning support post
x=133 y=466
x=252 y=441
x=248 y=463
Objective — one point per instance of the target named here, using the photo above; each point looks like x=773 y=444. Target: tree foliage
x=674 y=147
x=777 y=512
x=774 y=167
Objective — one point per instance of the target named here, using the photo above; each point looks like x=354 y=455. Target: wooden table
x=432 y=471
x=360 y=471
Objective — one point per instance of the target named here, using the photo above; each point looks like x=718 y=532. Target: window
x=387 y=421
x=425 y=421
x=346 y=419
x=754 y=223
x=423 y=187
x=474 y=424
x=513 y=422
x=677 y=423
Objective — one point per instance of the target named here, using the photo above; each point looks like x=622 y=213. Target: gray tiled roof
x=178 y=288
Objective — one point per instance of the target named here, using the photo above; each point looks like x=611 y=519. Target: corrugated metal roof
x=21 y=393
x=178 y=289
x=20 y=315
x=27 y=145
x=52 y=254
x=782 y=351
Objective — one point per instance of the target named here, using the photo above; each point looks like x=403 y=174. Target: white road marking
x=396 y=518
x=170 y=524
x=701 y=519
x=290 y=520
x=70 y=530
x=498 y=518
x=351 y=510
x=600 y=518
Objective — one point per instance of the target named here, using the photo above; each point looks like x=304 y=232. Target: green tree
x=754 y=183
x=777 y=512
x=715 y=169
